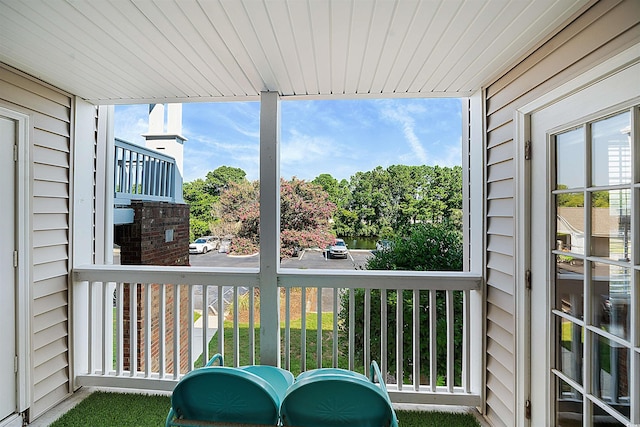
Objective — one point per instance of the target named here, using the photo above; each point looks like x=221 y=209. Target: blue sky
x=336 y=137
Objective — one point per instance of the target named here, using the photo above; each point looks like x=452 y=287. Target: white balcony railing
x=142 y=174
x=135 y=348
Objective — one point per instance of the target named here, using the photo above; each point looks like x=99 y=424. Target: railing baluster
x=352 y=327
x=383 y=333
x=191 y=327
x=450 y=343
x=236 y=329
x=466 y=342
x=162 y=332
x=303 y=330
x=252 y=329
x=90 y=332
x=176 y=332
x=119 y=328
x=433 y=348
x=399 y=338
x=335 y=328
x=319 y=328
x=367 y=328
x=205 y=324
x=287 y=329
x=416 y=340
x=106 y=327
x=133 y=329
x=220 y=331
x=147 y=331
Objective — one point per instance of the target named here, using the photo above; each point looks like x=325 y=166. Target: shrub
x=426 y=247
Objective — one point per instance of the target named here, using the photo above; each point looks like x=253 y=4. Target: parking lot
x=309 y=259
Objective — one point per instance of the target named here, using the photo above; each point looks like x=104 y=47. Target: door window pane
x=570 y=222
x=611 y=150
x=569 y=407
x=570 y=152
x=611 y=295
x=570 y=285
x=610 y=373
x=611 y=224
x=569 y=349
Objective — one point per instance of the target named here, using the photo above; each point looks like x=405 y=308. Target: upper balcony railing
x=142 y=174
x=362 y=316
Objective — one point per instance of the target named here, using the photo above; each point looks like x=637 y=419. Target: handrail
x=142 y=174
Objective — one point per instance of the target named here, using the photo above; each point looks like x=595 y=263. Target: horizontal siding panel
x=49 y=156
x=17 y=79
x=500 y=244
x=500 y=135
x=500 y=171
x=49 y=335
x=49 y=400
x=49 y=318
x=500 y=225
x=49 y=254
x=500 y=262
x=50 y=222
x=501 y=372
x=500 y=207
x=500 y=335
x=34 y=102
x=50 y=189
x=498 y=411
x=47 y=205
x=51 y=140
x=50 y=270
x=500 y=299
x=50 y=350
x=50 y=238
x=500 y=280
x=500 y=354
x=51 y=383
x=50 y=124
x=501 y=118
x=51 y=286
x=501 y=153
x=50 y=302
x=501 y=189
x=44 y=172
x=55 y=364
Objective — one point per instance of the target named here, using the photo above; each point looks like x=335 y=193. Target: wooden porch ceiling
x=139 y=51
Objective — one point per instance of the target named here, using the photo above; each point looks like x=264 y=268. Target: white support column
x=269 y=228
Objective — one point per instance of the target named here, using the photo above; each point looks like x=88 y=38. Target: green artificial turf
x=137 y=410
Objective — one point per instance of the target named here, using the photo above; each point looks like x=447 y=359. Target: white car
x=203 y=245
x=338 y=249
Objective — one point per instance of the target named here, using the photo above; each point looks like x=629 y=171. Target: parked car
x=383 y=245
x=337 y=249
x=203 y=245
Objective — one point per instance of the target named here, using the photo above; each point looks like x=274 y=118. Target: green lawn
x=135 y=410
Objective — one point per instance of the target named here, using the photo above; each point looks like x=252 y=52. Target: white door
x=7 y=270
x=585 y=198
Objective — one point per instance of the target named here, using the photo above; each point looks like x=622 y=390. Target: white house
x=546 y=85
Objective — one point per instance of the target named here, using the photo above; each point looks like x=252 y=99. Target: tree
x=201 y=205
x=304 y=215
x=219 y=180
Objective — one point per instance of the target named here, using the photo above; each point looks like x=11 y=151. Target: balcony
x=140 y=348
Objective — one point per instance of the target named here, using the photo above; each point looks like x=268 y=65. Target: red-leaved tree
x=305 y=211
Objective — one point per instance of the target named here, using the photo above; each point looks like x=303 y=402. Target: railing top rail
x=436 y=280
x=121 y=143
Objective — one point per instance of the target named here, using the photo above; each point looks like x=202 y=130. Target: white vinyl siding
x=50 y=145
x=599 y=33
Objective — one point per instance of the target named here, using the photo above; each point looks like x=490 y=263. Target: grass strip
x=106 y=409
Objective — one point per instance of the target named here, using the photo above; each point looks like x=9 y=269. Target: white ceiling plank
x=131 y=51
x=380 y=25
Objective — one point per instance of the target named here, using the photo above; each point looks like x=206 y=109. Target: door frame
x=526 y=389
x=23 y=211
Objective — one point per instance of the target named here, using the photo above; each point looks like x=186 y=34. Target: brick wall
x=145 y=243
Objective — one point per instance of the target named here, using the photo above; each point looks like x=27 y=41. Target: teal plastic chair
x=220 y=395
x=333 y=397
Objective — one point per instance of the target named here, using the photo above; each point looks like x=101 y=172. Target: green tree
x=201 y=204
x=219 y=179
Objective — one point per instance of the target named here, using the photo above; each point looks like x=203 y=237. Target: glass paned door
x=595 y=192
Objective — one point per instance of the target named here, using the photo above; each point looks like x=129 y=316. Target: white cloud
x=402 y=115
